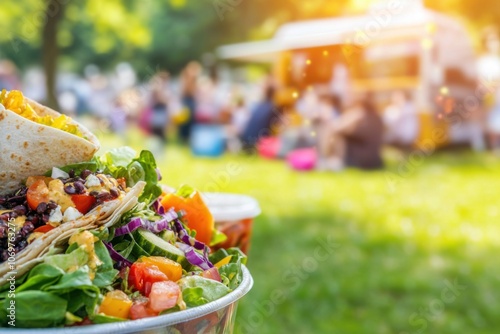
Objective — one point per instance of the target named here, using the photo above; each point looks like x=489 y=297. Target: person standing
x=401 y=121
x=488 y=68
x=154 y=118
x=189 y=83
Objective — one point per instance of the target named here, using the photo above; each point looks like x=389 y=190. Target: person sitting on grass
x=355 y=138
x=261 y=119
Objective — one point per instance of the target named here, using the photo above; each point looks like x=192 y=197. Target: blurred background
x=369 y=132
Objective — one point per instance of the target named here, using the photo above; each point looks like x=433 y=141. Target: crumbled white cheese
x=92 y=181
x=71 y=214
x=56 y=215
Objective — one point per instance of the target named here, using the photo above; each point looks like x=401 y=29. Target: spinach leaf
x=38 y=309
x=105 y=274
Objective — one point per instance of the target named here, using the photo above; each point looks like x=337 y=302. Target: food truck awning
x=358 y=30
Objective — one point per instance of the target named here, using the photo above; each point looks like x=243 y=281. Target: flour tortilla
x=28 y=148
x=105 y=215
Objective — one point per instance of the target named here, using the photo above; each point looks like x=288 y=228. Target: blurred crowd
x=320 y=126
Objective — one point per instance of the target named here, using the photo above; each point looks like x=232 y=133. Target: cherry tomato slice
x=83 y=203
x=37 y=193
x=44 y=229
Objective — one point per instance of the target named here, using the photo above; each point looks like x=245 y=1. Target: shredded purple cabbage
x=130 y=227
x=159 y=209
x=186 y=238
x=120 y=260
x=155 y=227
x=195 y=258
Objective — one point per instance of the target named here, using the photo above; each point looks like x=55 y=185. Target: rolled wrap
x=28 y=148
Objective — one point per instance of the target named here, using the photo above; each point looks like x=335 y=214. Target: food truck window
x=314 y=66
x=386 y=60
x=387 y=68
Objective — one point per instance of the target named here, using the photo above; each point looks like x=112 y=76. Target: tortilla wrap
x=28 y=148
x=105 y=215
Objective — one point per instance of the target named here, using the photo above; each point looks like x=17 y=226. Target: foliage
x=169 y=33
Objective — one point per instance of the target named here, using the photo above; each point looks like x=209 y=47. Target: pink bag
x=303 y=159
x=268 y=147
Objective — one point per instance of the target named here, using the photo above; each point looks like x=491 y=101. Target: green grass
x=391 y=246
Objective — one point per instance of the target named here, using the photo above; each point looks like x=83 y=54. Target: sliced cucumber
x=167 y=235
x=151 y=244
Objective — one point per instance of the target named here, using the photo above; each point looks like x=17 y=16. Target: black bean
x=27 y=228
x=20 y=210
x=4 y=255
x=35 y=220
x=18 y=237
x=94 y=193
x=85 y=173
x=3 y=232
x=70 y=190
x=41 y=208
x=114 y=192
x=52 y=205
x=45 y=218
x=79 y=187
x=71 y=173
x=104 y=196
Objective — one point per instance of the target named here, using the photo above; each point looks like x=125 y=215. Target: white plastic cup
x=233 y=215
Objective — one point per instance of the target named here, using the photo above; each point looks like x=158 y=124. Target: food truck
x=398 y=45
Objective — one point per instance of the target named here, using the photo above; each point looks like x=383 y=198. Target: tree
x=50 y=49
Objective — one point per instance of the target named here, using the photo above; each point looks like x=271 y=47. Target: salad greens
x=59 y=291
x=197 y=290
x=127 y=271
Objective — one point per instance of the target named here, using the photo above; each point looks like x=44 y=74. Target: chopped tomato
x=116 y=304
x=37 y=193
x=164 y=295
x=169 y=267
x=143 y=275
x=198 y=216
x=44 y=228
x=212 y=273
x=83 y=203
x=140 y=309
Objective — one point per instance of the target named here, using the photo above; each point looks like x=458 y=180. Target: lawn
x=411 y=249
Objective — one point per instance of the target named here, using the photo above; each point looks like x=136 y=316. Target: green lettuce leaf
x=193 y=297
x=65 y=262
x=202 y=289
